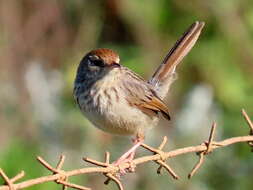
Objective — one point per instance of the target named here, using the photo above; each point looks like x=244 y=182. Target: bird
x=118 y=101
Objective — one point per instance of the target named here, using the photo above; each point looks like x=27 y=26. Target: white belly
x=119 y=118
x=109 y=110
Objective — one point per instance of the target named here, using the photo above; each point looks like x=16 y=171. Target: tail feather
x=165 y=74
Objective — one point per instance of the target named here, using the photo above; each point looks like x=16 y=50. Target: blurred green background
x=41 y=44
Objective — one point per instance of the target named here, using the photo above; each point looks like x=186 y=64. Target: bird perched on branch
x=117 y=100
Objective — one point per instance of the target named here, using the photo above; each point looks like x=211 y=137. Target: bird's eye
x=95 y=61
x=98 y=62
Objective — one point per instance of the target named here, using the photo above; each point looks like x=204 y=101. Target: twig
x=250 y=124
x=18 y=177
x=67 y=184
x=95 y=162
x=110 y=174
x=115 y=179
x=246 y=117
x=162 y=159
x=109 y=170
x=137 y=161
x=209 y=148
x=7 y=180
x=63 y=181
x=197 y=166
x=165 y=139
x=211 y=137
x=45 y=164
x=107 y=158
x=10 y=182
x=168 y=168
x=60 y=163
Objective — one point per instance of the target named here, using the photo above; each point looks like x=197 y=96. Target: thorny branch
x=111 y=171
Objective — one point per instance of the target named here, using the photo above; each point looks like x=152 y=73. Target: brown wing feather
x=156 y=105
x=141 y=95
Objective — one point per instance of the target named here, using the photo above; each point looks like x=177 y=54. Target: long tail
x=165 y=74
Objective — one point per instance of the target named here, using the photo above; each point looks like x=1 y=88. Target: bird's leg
x=129 y=155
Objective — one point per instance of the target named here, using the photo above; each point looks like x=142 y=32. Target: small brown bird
x=117 y=100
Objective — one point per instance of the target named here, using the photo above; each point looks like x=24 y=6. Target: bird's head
x=96 y=64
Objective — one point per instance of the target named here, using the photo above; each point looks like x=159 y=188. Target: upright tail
x=165 y=74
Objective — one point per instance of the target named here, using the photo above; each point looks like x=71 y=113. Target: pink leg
x=129 y=155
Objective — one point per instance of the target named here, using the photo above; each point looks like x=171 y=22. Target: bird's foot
x=127 y=158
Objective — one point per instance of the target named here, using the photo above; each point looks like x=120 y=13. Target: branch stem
x=137 y=161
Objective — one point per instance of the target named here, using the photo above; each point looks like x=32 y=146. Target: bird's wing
x=165 y=74
x=141 y=95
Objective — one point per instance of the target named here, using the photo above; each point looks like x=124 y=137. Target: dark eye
x=98 y=62
x=95 y=61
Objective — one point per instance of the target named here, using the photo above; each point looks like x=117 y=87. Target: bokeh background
x=41 y=43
